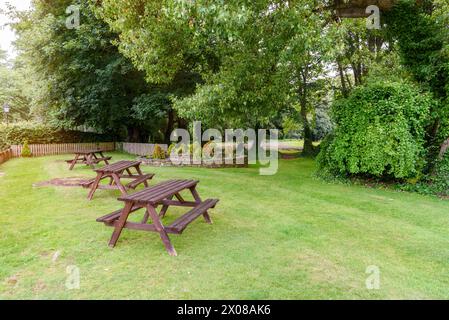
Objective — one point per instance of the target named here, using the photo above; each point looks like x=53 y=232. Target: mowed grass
x=287 y=236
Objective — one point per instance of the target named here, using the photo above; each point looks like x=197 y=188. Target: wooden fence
x=37 y=150
x=140 y=149
x=5 y=155
x=53 y=149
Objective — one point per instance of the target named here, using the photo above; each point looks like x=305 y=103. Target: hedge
x=44 y=134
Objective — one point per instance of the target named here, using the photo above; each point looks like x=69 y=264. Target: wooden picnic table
x=88 y=157
x=115 y=173
x=150 y=199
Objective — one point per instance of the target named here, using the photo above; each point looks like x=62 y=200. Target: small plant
x=195 y=150
x=26 y=152
x=209 y=150
x=158 y=153
x=171 y=148
x=183 y=149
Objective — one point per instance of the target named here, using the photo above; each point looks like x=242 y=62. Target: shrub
x=182 y=149
x=380 y=131
x=26 y=152
x=436 y=182
x=43 y=134
x=3 y=144
x=195 y=150
x=171 y=148
x=158 y=153
x=209 y=150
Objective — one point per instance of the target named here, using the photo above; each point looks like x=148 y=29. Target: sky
x=7 y=36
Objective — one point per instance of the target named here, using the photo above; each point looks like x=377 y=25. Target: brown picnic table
x=116 y=174
x=88 y=157
x=150 y=199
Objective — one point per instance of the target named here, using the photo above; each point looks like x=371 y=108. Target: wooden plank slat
x=181 y=223
x=160 y=192
x=38 y=150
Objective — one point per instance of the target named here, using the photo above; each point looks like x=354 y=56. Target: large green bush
x=43 y=134
x=380 y=132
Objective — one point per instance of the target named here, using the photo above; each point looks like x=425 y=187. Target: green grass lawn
x=287 y=236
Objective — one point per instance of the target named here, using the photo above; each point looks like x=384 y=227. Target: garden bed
x=188 y=162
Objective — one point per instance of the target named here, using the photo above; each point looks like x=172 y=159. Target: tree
x=252 y=58
x=13 y=86
x=422 y=35
x=81 y=78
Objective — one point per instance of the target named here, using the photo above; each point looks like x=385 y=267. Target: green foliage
x=195 y=150
x=290 y=126
x=79 y=76
x=158 y=153
x=380 y=132
x=420 y=41
x=209 y=150
x=26 y=152
x=171 y=149
x=44 y=134
x=3 y=144
x=14 y=82
x=182 y=149
x=247 y=56
x=423 y=40
x=436 y=182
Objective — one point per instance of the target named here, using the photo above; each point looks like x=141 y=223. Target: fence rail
x=5 y=155
x=38 y=150
x=54 y=149
x=140 y=149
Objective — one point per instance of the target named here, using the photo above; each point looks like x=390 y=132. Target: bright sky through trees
x=7 y=36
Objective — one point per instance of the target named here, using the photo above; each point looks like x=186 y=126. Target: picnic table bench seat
x=180 y=224
x=134 y=184
x=113 y=216
x=150 y=199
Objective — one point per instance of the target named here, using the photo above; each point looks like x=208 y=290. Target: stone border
x=210 y=165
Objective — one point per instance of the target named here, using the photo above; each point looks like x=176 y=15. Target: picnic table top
x=155 y=194
x=88 y=151
x=119 y=166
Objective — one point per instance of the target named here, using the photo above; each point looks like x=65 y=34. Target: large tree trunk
x=170 y=125
x=344 y=88
x=308 y=134
x=134 y=135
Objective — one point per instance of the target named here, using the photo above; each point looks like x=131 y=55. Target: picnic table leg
x=179 y=197
x=120 y=224
x=105 y=161
x=95 y=186
x=160 y=228
x=119 y=184
x=145 y=217
x=139 y=171
x=90 y=161
x=164 y=209
x=197 y=198
x=74 y=162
